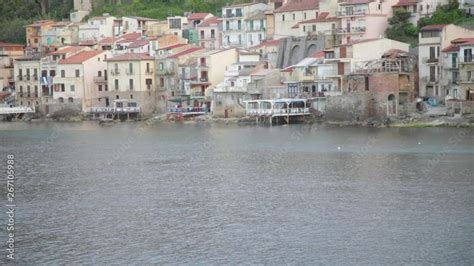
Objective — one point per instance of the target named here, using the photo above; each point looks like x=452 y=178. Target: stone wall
x=293 y=49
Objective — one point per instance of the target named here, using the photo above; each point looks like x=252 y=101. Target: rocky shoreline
x=413 y=121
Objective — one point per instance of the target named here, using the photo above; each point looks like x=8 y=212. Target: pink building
x=362 y=19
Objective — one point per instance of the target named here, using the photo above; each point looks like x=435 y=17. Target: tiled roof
x=298 y=5
x=405 y=3
x=451 y=48
x=80 y=57
x=267 y=43
x=107 y=41
x=67 y=49
x=129 y=36
x=198 y=16
x=138 y=43
x=463 y=41
x=318 y=55
x=6 y=44
x=323 y=17
x=88 y=42
x=262 y=72
x=209 y=21
x=188 y=51
x=355 y=2
x=434 y=27
x=39 y=23
x=172 y=46
x=130 y=57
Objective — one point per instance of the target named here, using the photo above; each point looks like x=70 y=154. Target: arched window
x=61 y=99
x=70 y=99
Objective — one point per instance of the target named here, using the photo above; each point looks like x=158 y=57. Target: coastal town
x=273 y=61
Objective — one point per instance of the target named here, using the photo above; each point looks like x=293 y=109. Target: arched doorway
x=311 y=49
x=391 y=105
x=294 y=54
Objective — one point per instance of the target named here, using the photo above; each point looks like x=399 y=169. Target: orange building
x=34 y=31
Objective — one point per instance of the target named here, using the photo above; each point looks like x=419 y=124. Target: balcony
x=466 y=60
x=19 y=77
x=352 y=30
x=430 y=79
x=224 y=88
x=307 y=77
x=100 y=79
x=115 y=72
x=354 y=13
x=430 y=60
x=149 y=71
x=130 y=72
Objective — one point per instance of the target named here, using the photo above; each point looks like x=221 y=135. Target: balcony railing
x=115 y=72
x=351 y=13
x=149 y=71
x=129 y=72
x=350 y=30
x=100 y=79
x=429 y=60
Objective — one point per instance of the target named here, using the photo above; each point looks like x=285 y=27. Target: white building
x=291 y=13
x=96 y=28
x=234 y=26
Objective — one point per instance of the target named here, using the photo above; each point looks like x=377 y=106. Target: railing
x=188 y=110
x=350 y=30
x=230 y=89
x=197 y=93
x=129 y=72
x=278 y=111
x=16 y=110
x=100 y=79
x=351 y=13
x=149 y=71
x=428 y=60
x=115 y=110
x=466 y=60
x=115 y=72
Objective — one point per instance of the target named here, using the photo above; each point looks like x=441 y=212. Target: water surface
x=199 y=193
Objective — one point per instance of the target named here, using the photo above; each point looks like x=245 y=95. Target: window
x=35 y=74
x=227 y=25
x=99 y=73
x=130 y=82
x=63 y=88
x=73 y=88
x=116 y=68
x=63 y=73
x=130 y=68
x=131 y=96
x=432 y=73
x=467 y=55
x=294 y=17
x=36 y=89
x=259 y=37
x=469 y=75
x=304 y=15
x=162 y=82
x=314 y=27
x=282 y=17
x=27 y=74
x=100 y=87
x=161 y=66
x=239 y=25
x=213 y=34
x=148 y=67
x=304 y=28
x=432 y=52
x=238 y=12
x=77 y=73
x=106 y=87
x=116 y=85
x=429 y=34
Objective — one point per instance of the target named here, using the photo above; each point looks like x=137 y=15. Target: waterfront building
x=167 y=74
x=229 y=95
x=8 y=53
x=324 y=25
x=211 y=66
x=27 y=81
x=341 y=60
x=432 y=40
x=131 y=76
x=76 y=84
x=268 y=50
x=234 y=27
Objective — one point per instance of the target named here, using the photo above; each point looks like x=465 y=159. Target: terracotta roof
x=267 y=43
x=356 y=2
x=172 y=46
x=318 y=55
x=67 y=49
x=80 y=57
x=463 y=41
x=39 y=23
x=88 y=42
x=323 y=17
x=198 y=16
x=107 y=41
x=239 y=5
x=209 y=21
x=130 y=36
x=434 y=27
x=405 y=3
x=6 y=44
x=130 y=57
x=298 y=5
x=138 y=43
x=188 y=51
x=262 y=72
x=451 y=48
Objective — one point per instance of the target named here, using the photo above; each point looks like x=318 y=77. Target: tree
x=401 y=29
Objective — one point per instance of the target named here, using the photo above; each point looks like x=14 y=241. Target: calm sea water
x=202 y=194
